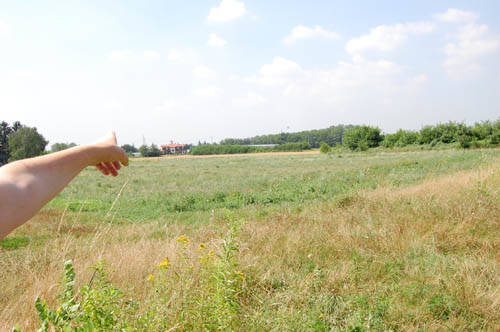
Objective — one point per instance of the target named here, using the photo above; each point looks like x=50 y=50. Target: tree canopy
x=129 y=148
x=331 y=135
x=5 y=131
x=26 y=142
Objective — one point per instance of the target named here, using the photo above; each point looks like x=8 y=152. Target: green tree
x=362 y=137
x=129 y=148
x=26 y=142
x=144 y=150
x=154 y=151
x=5 y=131
x=325 y=148
x=61 y=146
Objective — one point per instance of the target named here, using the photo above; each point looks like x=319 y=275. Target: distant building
x=173 y=148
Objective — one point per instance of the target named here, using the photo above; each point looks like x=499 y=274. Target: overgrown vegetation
x=201 y=291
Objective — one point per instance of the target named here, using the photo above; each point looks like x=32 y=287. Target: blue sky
x=206 y=70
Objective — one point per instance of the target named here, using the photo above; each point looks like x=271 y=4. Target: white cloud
x=208 y=91
x=345 y=79
x=228 y=10
x=354 y=91
x=216 y=41
x=453 y=15
x=301 y=32
x=252 y=99
x=471 y=43
x=279 y=72
x=387 y=37
x=127 y=55
x=204 y=73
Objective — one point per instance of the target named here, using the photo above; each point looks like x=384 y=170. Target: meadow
x=366 y=241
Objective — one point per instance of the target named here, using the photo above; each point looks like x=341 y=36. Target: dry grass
x=421 y=257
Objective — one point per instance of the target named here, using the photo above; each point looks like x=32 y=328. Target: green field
x=188 y=189
x=374 y=241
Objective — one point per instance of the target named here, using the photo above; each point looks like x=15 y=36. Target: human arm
x=27 y=185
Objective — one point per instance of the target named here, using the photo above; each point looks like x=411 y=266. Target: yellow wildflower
x=163 y=263
x=183 y=239
x=150 y=277
x=210 y=253
x=202 y=246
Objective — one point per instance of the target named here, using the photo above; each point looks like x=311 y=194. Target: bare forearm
x=27 y=185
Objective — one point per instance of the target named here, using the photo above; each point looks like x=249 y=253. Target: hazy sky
x=206 y=70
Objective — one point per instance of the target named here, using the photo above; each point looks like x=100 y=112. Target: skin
x=27 y=185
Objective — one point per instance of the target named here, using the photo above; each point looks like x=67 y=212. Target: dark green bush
x=325 y=148
x=362 y=137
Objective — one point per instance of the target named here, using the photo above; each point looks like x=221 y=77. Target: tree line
x=206 y=149
x=481 y=134
x=331 y=135
x=361 y=138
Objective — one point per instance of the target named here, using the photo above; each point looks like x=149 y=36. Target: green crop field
x=373 y=241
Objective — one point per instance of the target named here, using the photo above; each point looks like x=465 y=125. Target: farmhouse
x=173 y=148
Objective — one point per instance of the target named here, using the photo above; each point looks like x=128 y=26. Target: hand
x=109 y=156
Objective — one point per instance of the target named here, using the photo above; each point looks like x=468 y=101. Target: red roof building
x=174 y=148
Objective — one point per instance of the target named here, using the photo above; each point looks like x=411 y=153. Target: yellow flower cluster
x=150 y=277
x=163 y=263
x=183 y=239
x=202 y=246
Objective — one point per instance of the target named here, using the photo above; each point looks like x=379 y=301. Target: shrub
x=362 y=137
x=325 y=148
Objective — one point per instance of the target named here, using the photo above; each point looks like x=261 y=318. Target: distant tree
x=401 y=138
x=362 y=137
x=325 y=148
x=5 y=131
x=26 y=142
x=144 y=150
x=61 y=146
x=331 y=135
x=129 y=148
x=154 y=151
